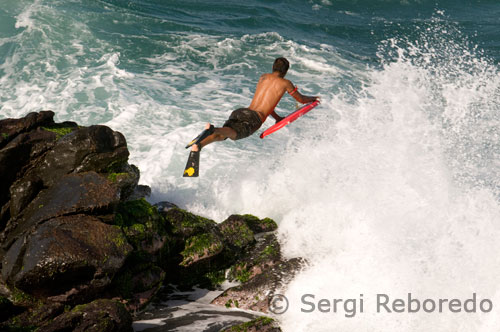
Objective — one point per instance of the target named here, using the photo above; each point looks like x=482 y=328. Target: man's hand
x=278 y=118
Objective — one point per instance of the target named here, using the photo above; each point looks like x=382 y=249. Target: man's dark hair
x=281 y=65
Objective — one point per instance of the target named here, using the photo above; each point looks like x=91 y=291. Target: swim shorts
x=244 y=121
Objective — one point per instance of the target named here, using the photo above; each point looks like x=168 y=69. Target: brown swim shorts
x=244 y=121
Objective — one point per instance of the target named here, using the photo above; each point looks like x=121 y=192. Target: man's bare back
x=270 y=89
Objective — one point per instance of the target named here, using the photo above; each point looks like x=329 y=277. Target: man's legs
x=219 y=134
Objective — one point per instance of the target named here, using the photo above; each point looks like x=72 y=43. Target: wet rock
x=126 y=178
x=138 y=283
x=66 y=259
x=200 y=249
x=6 y=308
x=30 y=318
x=236 y=235
x=255 y=224
x=97 y=316
x=164 y=206
x=261 y=324
x=143 y=226
x=95 y=148
x=19 y=154
x=22 y=192
x=256 y=259
x=185 y=224
x=140 y=191
x=72 y=194
x=263 y=272
x=256 y=293
x=10 y=128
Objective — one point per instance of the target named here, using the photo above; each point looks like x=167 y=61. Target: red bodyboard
x=290 y=118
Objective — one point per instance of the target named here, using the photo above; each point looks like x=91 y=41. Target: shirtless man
x=245 y=121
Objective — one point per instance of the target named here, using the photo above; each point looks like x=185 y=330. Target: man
x=245 y=121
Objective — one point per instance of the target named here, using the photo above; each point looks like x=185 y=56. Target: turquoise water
x=391 y=185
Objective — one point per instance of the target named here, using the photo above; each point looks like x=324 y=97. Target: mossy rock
x=256 y=259
x=143 y=226
x=6 y=308
x=236 y=234
x=255 y=224
x=186 y=224
x=201 y=247
x=261 y=324
x=61 y=129
x=99 y=316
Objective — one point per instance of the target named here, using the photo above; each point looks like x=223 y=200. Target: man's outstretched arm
x=293 y=91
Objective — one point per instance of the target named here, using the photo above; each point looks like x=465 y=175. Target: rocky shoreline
x=81 y=249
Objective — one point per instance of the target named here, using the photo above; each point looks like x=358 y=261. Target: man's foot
x=195 y=144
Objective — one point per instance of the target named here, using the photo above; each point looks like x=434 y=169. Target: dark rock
x=66 y=259
x=140 y=191
x=201 y=248
x=22 y=192
x=257 y=292
x=185 y=224
x=30 y=318
x=97 y=316
x=261 y=324
x=72 y=194
x=10 y=128
x=95 y=148
x=236 y=235
x=143 y=226
x=263 y=273
x=255 y=224
x=138 y=283
x=19 y=154
x=256 y=259
x=126 y=178
x=6 y=308
x=163 y=207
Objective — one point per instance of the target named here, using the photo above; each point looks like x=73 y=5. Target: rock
x=72 y=194
x=97 y=316
x=138 y=283
x=19 y=154
x=66 y=259
x=185 y=224
x=38 y=159
x=126 y=178
x=236 y=235
x=164 y=206
x=257 y=259
x=6 y=308
x=30 y=318
x=143 y=226
x=95 y=148
x=255 y=224
x=257 y=292
x=263 y=272
x=201 y=249
x=10 y=128
x=261 y=324
x=140 y=191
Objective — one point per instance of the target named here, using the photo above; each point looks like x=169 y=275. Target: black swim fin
x=204 y=134
x=193 y=165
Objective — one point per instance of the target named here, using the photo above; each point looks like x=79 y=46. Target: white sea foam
x=400 y=203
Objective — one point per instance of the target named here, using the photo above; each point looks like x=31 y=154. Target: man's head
x=281 y=65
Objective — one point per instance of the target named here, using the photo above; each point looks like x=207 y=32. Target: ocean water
x=390 y=186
